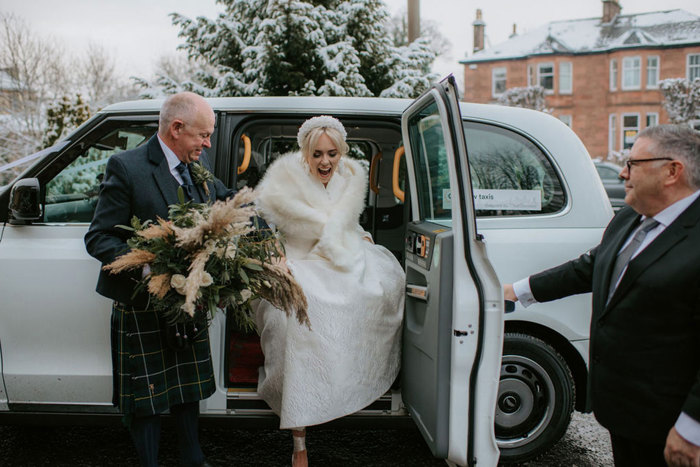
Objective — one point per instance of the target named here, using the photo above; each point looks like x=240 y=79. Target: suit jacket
x=644 y=343
x=137 y=183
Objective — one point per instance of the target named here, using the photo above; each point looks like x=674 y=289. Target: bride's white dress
x=355 y=292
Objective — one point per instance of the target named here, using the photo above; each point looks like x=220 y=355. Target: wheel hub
x=525 y=400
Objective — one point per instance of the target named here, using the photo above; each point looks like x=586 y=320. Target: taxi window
x=511 y=176
x=71 y=194
x=431 y=165
x=269 y=140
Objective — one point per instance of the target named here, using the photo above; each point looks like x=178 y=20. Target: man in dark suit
x=644 y=379
x=151 y=375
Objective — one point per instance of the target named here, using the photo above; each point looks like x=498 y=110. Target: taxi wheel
x=535 y=398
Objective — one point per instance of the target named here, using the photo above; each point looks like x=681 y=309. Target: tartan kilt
x=149 y=376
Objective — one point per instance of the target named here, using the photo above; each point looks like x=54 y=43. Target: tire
x=536 y=397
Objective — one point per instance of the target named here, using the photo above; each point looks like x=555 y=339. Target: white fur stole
x=296 y=201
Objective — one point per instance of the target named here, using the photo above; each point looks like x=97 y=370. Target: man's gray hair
x=179 y=106
x=677 y=142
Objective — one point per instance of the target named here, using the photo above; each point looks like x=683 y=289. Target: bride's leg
x=299 y=457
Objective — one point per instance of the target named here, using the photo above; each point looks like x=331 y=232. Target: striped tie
x=187 y=185
x=626 y=254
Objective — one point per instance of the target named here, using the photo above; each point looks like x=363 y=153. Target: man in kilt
x=153 y=371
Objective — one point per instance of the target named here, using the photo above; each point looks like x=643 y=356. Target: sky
x=137 y=32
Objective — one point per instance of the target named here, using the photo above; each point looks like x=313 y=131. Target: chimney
x=515 y=32
x=479 y=26
x=611 y=8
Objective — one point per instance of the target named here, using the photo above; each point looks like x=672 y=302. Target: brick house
x=600 y=74
x=9 y=91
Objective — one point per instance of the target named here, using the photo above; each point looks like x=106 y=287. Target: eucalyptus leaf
x=244 y=276
x=253 y=266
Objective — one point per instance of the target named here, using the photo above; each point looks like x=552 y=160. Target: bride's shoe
x=299 y=457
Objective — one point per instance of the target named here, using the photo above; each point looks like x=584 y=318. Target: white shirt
x=687 y=427
x=172 y=159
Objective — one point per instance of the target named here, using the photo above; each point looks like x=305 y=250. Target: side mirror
x=24 y=201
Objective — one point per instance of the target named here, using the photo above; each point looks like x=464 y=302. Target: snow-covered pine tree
x=528 y=97
x=292 y=47
x=63 y=116
x=681 y=99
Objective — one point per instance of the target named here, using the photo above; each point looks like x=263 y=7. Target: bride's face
x=324 y=159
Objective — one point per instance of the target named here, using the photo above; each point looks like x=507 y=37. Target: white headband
x=323 y=121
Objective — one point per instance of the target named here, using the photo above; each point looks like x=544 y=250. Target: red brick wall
x=592 y=102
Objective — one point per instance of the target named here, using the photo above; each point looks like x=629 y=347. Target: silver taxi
x=454 y=189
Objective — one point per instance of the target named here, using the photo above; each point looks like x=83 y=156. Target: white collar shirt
x=664 y=218
x=172 y=159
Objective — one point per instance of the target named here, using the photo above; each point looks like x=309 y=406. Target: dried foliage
x=207 y=257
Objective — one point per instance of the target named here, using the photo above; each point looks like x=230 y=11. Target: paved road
x=585 y=445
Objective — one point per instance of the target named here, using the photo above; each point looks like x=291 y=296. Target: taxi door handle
x=417 y=291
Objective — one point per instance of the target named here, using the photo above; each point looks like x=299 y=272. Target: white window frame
x=612 y=132
x=632 y=66
x=625 y=128
x=653 y=72
x=692 y=69
x=531 y=79
x=568 y=74
x=540 y=75
x=613 y=74
x=567 y=119
x=494 y=72
x=654 y=116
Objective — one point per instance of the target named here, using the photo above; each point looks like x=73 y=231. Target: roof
x=583 y=36
x=7 y=82
x=281 y=104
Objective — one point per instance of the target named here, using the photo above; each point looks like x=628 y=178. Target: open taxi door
x=453 y=329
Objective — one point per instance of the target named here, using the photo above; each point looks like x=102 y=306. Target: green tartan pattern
x=149 y=377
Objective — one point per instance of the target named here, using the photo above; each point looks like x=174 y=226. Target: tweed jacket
x=149 y=376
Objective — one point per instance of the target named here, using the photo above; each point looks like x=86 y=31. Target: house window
x=630 y=128
x=531 y=78
x=613 y=75
x=631 y=70
x=652 y=119
x=565 y=78
x=612 y=133
x=653 y=71
x=498 y=81
x=693 y=66
x=566 y=119
x=545 y=76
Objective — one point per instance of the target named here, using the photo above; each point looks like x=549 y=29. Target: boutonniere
x=201 y=175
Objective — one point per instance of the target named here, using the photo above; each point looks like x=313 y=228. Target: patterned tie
x=187 y=185
x=626 y=254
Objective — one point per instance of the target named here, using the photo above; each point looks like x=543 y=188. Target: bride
x=354 y=288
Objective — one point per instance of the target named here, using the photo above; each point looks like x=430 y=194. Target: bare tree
x=173 y=73
x=36 y=74
x=398 y=31
x=41 y=89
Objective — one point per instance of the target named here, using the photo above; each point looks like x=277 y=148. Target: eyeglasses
x=630 y=162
